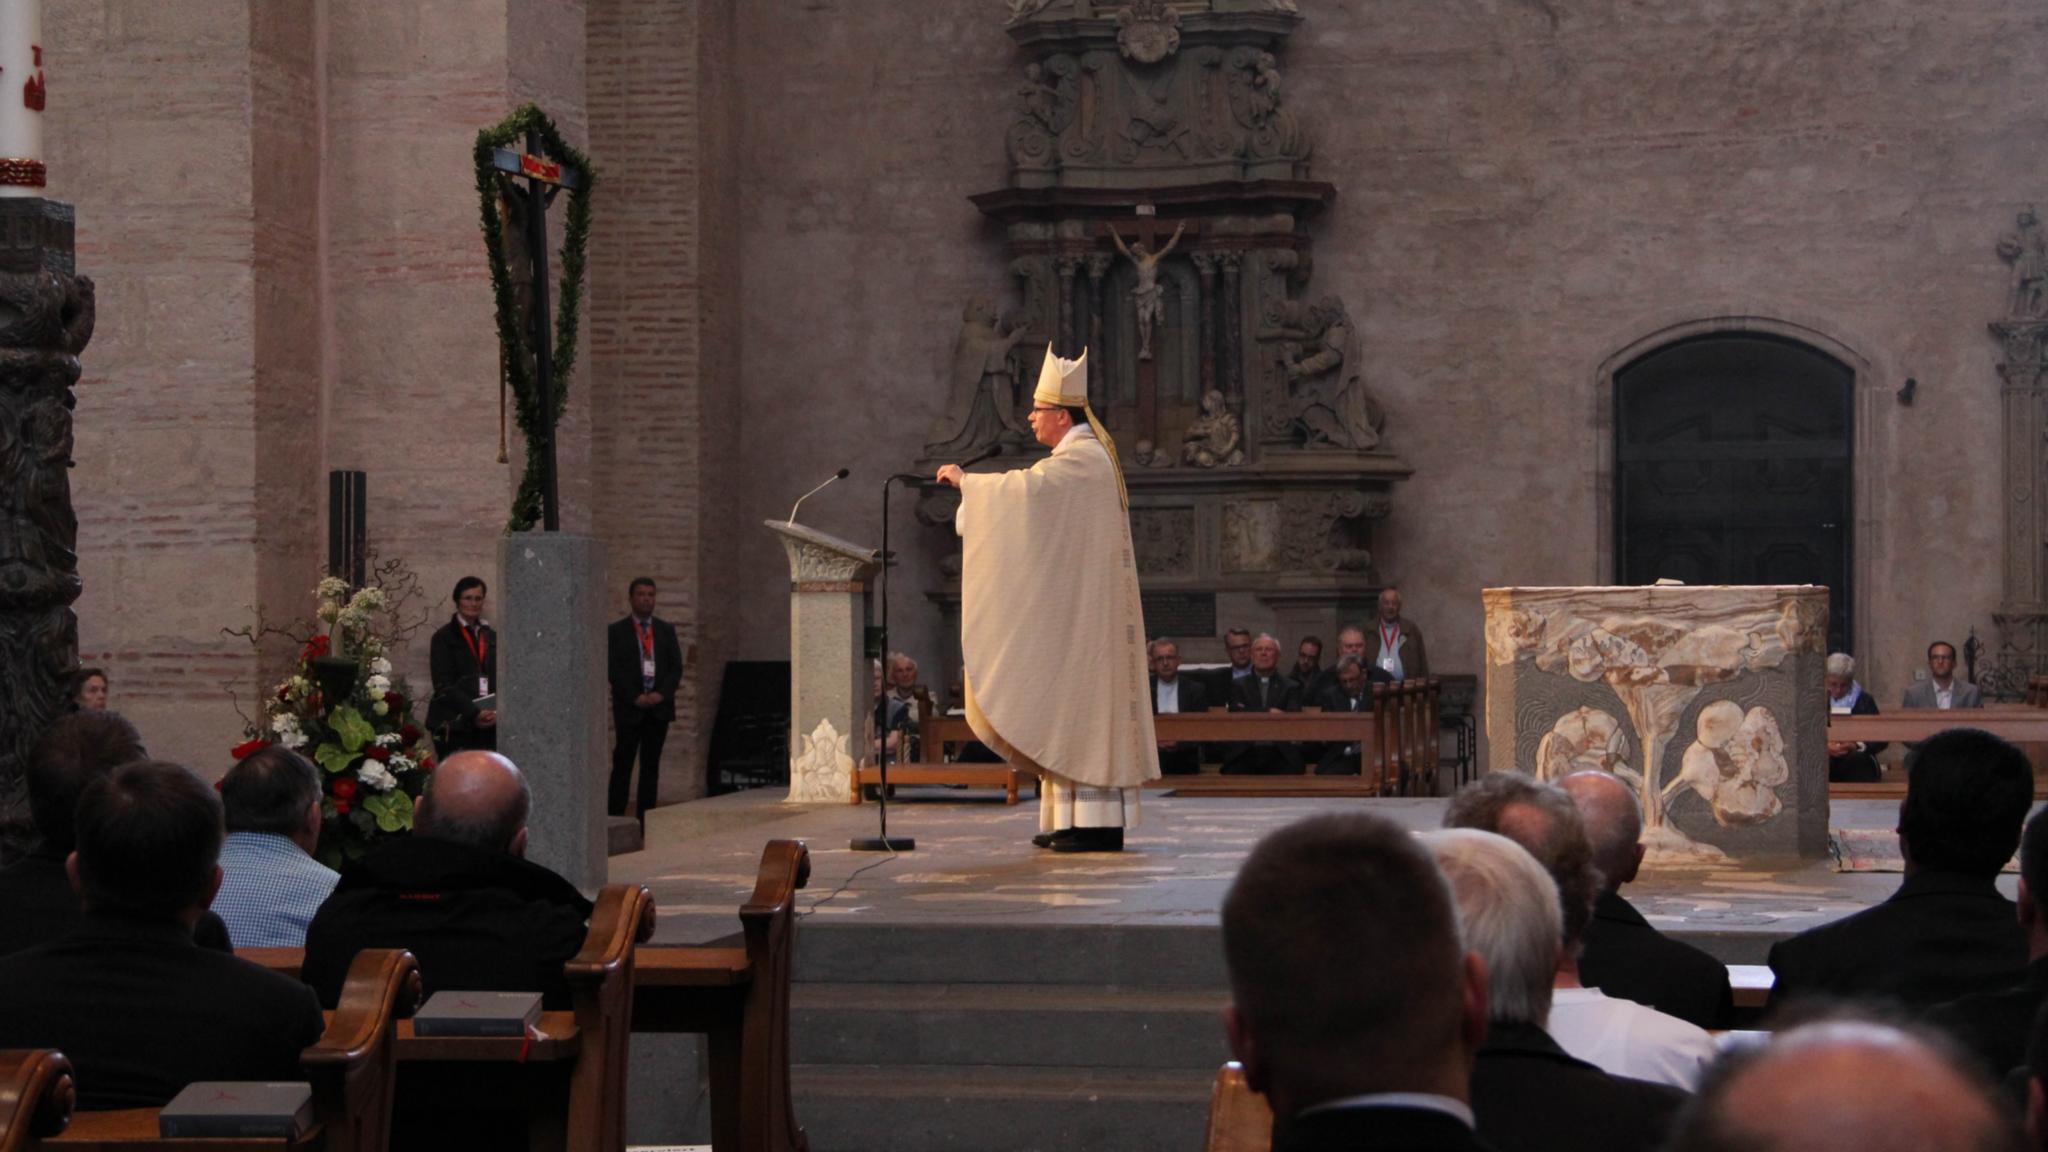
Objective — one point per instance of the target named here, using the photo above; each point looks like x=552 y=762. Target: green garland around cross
x=515 y=343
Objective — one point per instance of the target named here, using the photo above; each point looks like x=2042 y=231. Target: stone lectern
x=830 y=690
x=1706 y=700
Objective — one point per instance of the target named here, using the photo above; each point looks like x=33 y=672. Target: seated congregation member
x=38 y=903
x=1528 y=1093
x=270 y=884
x=1941 y=689
x=1619 y=1036
x=1350 y=692
x=463 y=658
x=1173 y=693
x=139 y=1008
x=1848 y=1084
x=1308 y=660
x=1349 y=1063
x=1265 y=690
x=89 y=690
x=1622 y=954
x=1947 y=931
x=1995 y=1025
x=458 y=893
x=1350 y=646
x=1850 y=761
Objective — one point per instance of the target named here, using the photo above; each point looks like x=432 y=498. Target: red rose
x=409 y=734
x=284 y=692
x=427 y=763
x=315 y=648
x=341 y=807
x=247 y=748
x=379 y=753
x=396 y=701
x=344 y=788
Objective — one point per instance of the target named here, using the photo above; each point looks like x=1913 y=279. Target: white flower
x=381 y=708
x=374 y=776
x=401 y=763
x=389 y=740
x=282 y=723
x=380 y=667
x=378 y=685
x=331 y=588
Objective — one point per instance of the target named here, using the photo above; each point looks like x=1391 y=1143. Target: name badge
x=1387 y=663
x=647 y=667
x=483 y=687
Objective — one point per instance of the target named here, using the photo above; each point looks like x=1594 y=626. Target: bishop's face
x=1050 y=424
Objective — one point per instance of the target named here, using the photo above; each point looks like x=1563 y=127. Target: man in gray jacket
x=1941 y=689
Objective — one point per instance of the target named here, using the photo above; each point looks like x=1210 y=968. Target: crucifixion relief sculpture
x=1146 y=295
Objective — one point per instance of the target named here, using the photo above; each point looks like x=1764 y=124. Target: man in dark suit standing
x=1349 y=1063
x=644 y=662
x=1947 y=931
x=1624 y=955
x=463 y=656
x=1173 y=693
x=139 y=1008
x=1265 y=690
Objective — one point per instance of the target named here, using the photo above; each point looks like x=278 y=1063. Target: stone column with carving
x=1070 y=285
x=831 y=692
x=1098 y=306
x=1205 y=272
x=46 y=318
x=1233 y=330
x=2022 y=614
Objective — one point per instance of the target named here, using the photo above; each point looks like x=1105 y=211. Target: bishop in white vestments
x=1050 y=623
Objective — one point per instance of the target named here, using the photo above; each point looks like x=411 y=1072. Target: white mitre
x=1065 y=383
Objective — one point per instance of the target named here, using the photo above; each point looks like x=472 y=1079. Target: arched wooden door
x=1733 y=466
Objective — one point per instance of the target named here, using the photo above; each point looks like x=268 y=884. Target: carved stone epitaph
x=2022 y=336
x=1157 y=214
x=46 y=318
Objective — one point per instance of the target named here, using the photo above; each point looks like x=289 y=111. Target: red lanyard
x=477 y=644
x=646 y=637
x=1387 y=638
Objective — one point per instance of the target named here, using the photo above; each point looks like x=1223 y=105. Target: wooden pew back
x=1239 y=1119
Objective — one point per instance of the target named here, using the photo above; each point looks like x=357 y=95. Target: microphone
x=832 y=479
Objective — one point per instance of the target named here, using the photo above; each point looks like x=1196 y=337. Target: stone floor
x=973 y=865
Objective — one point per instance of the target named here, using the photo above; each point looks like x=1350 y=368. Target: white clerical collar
x=1429 y=1100
x=1076 y=430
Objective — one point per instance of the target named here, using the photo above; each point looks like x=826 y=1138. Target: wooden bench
x=351 y=1069
x=1239 y=1118
x=1398 y=736
x=972 y=775
x=737 y=997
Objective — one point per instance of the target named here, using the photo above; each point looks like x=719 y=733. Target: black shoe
x=1048 y=839
x=1091 y=840
x=1042 y=840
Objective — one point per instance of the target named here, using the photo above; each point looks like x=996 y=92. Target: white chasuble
x=1053 y=634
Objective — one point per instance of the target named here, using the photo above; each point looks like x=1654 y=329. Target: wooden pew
x=1239 y=1118
x=351 y=1070
x=739 y=997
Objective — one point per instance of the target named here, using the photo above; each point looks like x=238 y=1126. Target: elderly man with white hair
x=1528 y=1094
x=1267 y=689
x=1850 y=761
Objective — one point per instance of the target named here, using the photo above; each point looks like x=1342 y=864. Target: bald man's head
x=1614 y=823
x=479 y=799
x=1845 y=1084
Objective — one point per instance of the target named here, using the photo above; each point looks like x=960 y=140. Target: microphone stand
x=884 y=843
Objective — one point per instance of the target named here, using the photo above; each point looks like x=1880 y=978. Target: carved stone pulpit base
x=830 y=689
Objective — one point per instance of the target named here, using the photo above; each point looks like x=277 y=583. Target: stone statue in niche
x=1326 y=402
x=1046 y=98
x=1147 y=293
x=2027 y=252
x=981 y=408
x=1213 y=439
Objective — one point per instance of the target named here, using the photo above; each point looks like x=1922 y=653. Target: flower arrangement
x=343 y=707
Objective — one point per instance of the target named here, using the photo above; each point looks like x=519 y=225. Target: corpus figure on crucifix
x=1146 y=295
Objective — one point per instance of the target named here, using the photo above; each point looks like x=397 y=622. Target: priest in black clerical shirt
x=1265 y=690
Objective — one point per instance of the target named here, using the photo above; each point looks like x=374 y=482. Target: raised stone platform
x=982 y=993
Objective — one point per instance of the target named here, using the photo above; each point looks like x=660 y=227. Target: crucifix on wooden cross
x=1145 y=253
x=544 y=178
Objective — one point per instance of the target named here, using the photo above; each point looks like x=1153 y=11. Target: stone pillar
x=1070 y=284
x=1098 y=311
x=552 y=695
x=1205 y=269
x=1233 y=331
x=48 y=321
x=831 y=691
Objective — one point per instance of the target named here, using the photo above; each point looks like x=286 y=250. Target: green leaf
x=392 y=809
x=351 y=728
x=334 y=757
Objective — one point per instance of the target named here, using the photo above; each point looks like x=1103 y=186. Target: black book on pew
x=226 y=1108
x=455 y=1013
